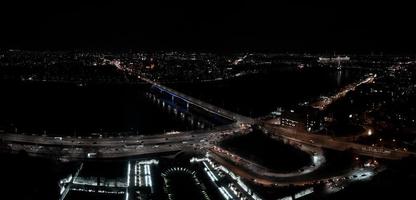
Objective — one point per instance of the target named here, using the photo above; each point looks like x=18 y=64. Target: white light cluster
x=210 y=173
x=62 y=190
x=99 y=191
x=286 y=198
x=147 y=178
x=244 y=186
x=303 y=193
x=315 y=158
x=166 y=174
x=149 y=162
x=234 y=190
x=128 y=179
x=239 y=182
x=135 y=176
x=230 y=173
x=213 y=178
x=198 y=159
x=143 y=173
x=85 y=181
x=66 y=180
x=128 y=174
x=225 y=193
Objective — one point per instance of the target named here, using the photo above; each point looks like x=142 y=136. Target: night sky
x=212 y=25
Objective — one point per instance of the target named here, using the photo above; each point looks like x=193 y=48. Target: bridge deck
x=204 y=105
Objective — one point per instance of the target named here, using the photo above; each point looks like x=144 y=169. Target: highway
x=328 y=142
x=69 y=148
x=324 y=103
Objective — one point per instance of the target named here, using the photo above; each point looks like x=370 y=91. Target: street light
x=369 y=133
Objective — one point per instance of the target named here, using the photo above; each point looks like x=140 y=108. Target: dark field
x=270 y=153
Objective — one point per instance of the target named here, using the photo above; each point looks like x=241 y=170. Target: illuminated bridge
x=175 y=95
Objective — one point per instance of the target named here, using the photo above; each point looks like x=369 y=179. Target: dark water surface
x=69 y=109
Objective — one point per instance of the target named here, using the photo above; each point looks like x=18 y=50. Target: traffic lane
x=41 y=140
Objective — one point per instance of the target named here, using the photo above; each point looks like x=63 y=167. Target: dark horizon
x=342 y=27
x=206 y=99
